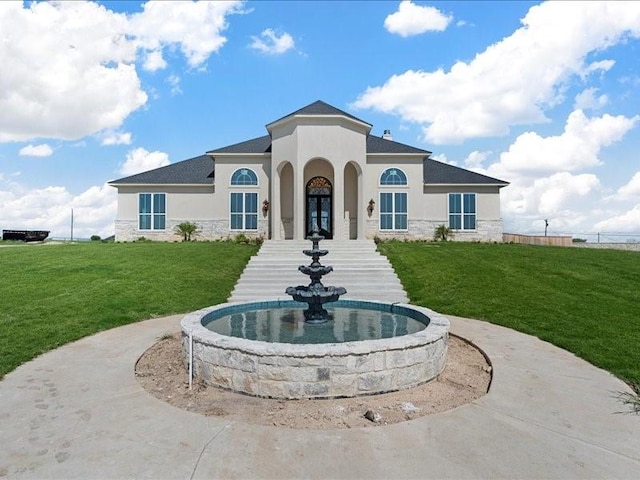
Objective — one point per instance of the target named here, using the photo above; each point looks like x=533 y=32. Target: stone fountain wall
x=290 y=371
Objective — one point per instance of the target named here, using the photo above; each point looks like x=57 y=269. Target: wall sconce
x=265 y=206
x=372 y=204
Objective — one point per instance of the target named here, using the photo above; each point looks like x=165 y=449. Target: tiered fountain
x=278 y=349
x=315 y=295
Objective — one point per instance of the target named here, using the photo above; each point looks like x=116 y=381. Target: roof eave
x=501 y=184
x=114 y=184
x=215 y=154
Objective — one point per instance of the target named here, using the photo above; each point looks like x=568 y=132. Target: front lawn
x=54 y=294
x=585 y=301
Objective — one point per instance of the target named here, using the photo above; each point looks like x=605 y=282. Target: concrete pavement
x=78 y=412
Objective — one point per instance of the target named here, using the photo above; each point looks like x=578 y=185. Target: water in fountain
x=315 y=295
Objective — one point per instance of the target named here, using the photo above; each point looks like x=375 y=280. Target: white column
x=275 y=208
x=362 y=209
x=338 y=200
x=298 y=203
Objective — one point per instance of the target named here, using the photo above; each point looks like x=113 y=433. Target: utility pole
x=546 y=224
x=72 y=225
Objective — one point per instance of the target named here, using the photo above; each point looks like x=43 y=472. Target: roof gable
x=319 y=108
x=197 y=170
x=438 y=173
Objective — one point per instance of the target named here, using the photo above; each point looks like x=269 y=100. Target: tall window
x=393 y=210
x=393 y=205
x=462 y=211
x=244 y=211
x=244 y=176
x=152 y=211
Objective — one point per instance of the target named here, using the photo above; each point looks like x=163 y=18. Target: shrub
x=186 y=230
x=442 y=233
x=95 y=238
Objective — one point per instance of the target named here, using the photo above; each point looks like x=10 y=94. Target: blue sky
x=543 y=95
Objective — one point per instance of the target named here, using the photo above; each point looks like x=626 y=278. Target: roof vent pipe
x=387 y=135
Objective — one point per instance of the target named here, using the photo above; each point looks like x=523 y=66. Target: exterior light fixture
x=265 y=206
x=372 y=204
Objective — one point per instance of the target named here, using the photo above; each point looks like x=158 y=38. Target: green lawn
x=585 y=301
x=53 y=294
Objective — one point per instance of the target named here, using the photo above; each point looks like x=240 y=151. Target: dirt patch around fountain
x=466 y=377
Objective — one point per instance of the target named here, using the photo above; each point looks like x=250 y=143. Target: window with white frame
x=462 y=211
x=393 y=210
x=393 y=176
x=244 y=211
x=243 y=206
x=244 y=176
x=393 y=204
x=152 y=211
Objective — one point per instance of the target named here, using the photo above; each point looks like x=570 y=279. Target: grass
x=585 y=301
x=54 y=294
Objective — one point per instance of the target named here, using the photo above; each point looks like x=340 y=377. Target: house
x=317 y=165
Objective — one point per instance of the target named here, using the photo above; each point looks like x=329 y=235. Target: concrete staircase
x=357 y=266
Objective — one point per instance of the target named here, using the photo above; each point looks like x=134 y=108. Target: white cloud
x=475 y=159
x=140 y=160
x=575 y=149
x=73 y=64
x=174 y=82
x=512 y=81
x=271 y=43
x=631 y=189
x=50 y=209
x=587 y=100
x=154 y=61
x=626 y=222
x=113 y=137
x=42 y=150
x=195 y=28
x=412 y=19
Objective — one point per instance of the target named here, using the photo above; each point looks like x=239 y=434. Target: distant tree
x=95 y=238
x=442 y=233
x=186 y=229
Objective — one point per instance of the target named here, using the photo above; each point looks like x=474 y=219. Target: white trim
x=462 y=213
x=393 y=185
x=257 y=184
x=459 y=185
x=393 y=213
x=118 y=185
x=244 y=212
x=152 y=213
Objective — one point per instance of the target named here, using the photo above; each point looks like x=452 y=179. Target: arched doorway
x=319 y=196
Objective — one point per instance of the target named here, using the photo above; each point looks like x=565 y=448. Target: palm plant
x=186 y=229
x=442 y=233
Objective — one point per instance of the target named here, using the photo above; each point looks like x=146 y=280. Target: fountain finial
x=315 y=294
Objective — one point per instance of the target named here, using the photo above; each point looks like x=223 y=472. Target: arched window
x=393 y=176
x=244 y=176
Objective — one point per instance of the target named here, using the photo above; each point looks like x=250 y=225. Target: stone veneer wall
x=290 y=371
x=487 y=231
x=127 y=230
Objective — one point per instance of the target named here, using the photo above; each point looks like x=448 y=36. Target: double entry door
x=318 y=210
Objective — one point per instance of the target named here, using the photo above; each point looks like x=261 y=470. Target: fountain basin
x=324 y=370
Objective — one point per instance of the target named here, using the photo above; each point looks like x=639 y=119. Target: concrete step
x=358 y=266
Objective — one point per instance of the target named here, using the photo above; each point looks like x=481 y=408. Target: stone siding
x=487 y=231
x=127 y=230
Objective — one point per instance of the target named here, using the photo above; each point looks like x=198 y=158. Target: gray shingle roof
x=320 y=108
x=382 y=145
x=197 y=170
x=442 y=173
x=255 y=145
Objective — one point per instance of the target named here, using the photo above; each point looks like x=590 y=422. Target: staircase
x=357 y=266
